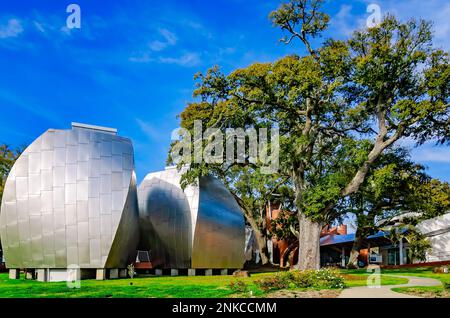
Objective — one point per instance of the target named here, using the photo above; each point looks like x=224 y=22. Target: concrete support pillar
x=100 y=274
x=174 y=272
x=208 y=272
x=122 y=273
x=224 y=272
x=113 y=273
x=343 y=257
x=158 y=272
x=400 y=251
x=42 y=275
x=14 y=273
x=191 y=272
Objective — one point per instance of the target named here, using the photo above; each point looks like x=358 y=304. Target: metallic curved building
x=70 y=200
x=201 y=227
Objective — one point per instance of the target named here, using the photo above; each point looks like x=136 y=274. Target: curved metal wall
x=219 y=240
x=165 y=220
x=200 y=227
x=68 y=198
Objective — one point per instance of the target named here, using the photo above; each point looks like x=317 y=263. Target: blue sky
x=131 y=64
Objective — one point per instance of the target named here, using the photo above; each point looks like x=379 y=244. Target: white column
x=208 y=272
x=14 y=273
x=400 y=248
x=100 y=274
x=191 y=272
x=42 y=275
x=343 y=257
x=114 y=273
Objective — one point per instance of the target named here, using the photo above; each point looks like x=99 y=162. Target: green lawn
x=360 y=279
x=147 y=287
x=432 y=291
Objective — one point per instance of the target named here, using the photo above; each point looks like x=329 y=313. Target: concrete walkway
x=385 y=290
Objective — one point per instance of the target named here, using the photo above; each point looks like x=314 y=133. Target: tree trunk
x=357 y=243
x=260 y=240
x=309 y=243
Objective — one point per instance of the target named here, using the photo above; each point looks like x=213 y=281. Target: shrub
x=323 y=279
x=447 y=286
x=238 y=286
x=277 y=282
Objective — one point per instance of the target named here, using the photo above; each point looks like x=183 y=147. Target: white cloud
x=170 y=39
x=431 y=153
x=345 y=22
x=187 y=59
x=148 y=129
x=141 y=58
x=40 y=27
x=12 y=29
x=437 y=11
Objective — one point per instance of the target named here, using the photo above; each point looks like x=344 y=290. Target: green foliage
x=7 y=159
x=321 y=279
x=339 y=108
x=238 y=286
x=419 y=245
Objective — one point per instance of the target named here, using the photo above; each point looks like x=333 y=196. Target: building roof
x=334 y=239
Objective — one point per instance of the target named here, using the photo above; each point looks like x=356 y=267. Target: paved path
x=385 y=290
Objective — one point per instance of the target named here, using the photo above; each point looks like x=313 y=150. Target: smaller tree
x=419 y=246
x=394 y=186
x=7 y=159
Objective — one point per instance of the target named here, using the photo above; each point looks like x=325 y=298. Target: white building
x=437 y=230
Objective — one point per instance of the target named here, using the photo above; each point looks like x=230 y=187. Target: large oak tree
x=338 y=107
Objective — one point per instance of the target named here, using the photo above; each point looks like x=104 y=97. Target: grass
x=153 y=287
x=359 y=279
x=428 y=292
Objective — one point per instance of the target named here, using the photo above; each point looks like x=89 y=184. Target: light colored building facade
x=437 y=230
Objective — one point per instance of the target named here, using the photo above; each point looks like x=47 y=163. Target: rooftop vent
x=112 y=131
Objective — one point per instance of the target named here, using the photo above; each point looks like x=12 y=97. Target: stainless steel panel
x=94 y=188
x=46 y=180
x=83 y=171
x=94 y=167
x=61 y=186
x=82 y=190
x=117 y=165
x=22 y=188
x=70 y=196
x=46 y=159
x=105 y=204
x=59 y=176
x=58 y=198
x=71 y=214
x=94 y=208
x=34 y=162
x=71 y=154
x=82 y=211
x=201 y=227
x=46 y=201
x=105 y=183
x=220 y=231
x=59 y=157
x=71 y=173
